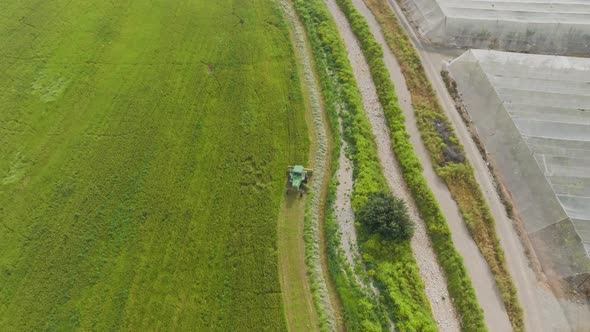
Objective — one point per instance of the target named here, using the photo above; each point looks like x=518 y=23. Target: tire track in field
x=313 y=246
x=434 y=279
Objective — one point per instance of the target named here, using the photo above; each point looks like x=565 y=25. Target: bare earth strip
x=542 y=310
x=434 y=280
x=320 y=162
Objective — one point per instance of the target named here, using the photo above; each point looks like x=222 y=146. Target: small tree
x=387 y=215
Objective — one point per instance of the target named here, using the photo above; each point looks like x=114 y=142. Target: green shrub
x=387 y=215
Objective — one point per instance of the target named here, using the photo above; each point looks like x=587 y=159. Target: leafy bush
x=387 y=215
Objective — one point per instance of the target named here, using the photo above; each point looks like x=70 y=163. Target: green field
x=142 y=154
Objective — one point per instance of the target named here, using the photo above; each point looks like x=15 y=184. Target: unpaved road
x=430 y=271
x=542 y=310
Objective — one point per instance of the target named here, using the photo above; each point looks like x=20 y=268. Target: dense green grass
x=142 y=155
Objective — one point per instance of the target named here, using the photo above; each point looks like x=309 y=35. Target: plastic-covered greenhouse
x=537 y=26
x=532 y=113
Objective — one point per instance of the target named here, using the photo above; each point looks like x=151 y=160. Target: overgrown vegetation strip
x=448 y=157
x=141 y=202
x=459 y=285
x=359 y=307
x=499 y=184
x=393 y=266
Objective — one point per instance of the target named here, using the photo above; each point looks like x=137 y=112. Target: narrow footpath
x=430 y=271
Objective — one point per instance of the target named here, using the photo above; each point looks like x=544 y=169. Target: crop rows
x=459 y=284
x=150 y=139
x=448 y=157
x=391 y=264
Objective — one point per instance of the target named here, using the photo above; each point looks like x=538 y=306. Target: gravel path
x=320 y=165
x=343 y=207
x=430 y=271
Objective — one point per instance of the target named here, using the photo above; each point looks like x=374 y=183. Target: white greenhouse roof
x=548 y=100
x=558 y=11
x=540 y=26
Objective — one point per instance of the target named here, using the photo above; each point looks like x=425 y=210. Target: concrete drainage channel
x=318 y=184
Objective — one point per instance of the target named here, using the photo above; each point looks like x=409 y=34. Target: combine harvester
x=297 y=177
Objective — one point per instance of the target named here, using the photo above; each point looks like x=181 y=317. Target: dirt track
x=343 y=206
x=298 y=302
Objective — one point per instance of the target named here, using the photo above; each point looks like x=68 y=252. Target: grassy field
x=143 y=146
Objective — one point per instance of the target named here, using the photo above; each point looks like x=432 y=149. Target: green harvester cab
x=297 y=177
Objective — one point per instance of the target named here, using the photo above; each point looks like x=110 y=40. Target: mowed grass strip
x=447 y=154
x=143 y=149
